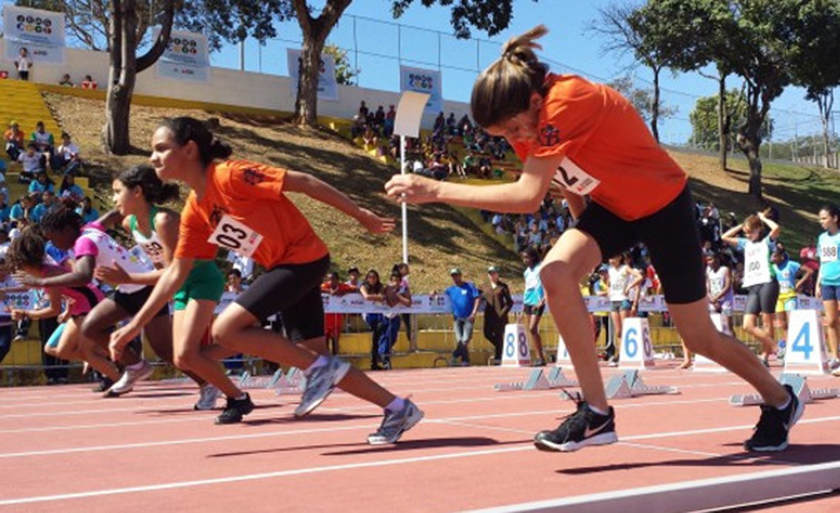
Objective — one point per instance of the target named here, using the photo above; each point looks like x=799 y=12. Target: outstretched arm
x=326 y=193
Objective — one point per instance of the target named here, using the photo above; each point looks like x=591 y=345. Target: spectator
x=33 y=163
x=66 y=159
x=23 y=64
x=379 y=117
x=353 y=280
x=41 y=184
x=14 y=137
x=5 y=243
x=4 y=191
x=86 y=211
x=65 y=81
x=242 y=263
x=390 y=118
x=497 y=305
x=808 y=258
x=404 y=271
x=5 y=213
x=69 y=189
x=464 y=299
x=21 y=211
x=373 y=290
x=48 y=203
x=6 y=322
x=89 y=83
x=44 y=142
x=396 y=293
x=363 y=111
x=334 y=322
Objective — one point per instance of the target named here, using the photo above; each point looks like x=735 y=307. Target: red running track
x=66 y=449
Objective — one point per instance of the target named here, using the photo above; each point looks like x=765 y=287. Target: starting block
x=539 y=381
x=248 y=382
x=293 y=382
x=800 y=387
x=630 y=384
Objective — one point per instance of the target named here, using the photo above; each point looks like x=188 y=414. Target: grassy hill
x=441 y=237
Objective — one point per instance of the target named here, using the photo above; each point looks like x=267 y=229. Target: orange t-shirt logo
x=549 y=136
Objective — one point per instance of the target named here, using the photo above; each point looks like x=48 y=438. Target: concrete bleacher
x=22 y=102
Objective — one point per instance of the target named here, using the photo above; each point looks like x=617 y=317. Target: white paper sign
x=424 y=81
x=186 y=57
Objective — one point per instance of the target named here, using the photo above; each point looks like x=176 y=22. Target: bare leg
x=237 y=329
x=832 y=323
x=98 y=324
x=534 y=330
x=569 y=260
x=760 y=334
x=188 y=329
x=701 y=336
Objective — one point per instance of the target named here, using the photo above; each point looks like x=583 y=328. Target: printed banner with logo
x=185 y=58
x=40 y=32
x=423 y=81
x=327 y=85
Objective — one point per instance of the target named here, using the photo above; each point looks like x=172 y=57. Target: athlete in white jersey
x=621 y=279
x=759 y=277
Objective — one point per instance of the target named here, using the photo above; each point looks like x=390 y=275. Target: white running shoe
x=208 y=394
x=320 y=383
x=129 y=378
x=395 y=424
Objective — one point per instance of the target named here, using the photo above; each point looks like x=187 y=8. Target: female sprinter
x=759 y=277
x=534 y=300
x=592 y=142
x=137 y=191
x=27 y=255
x=93 y=247
x=242 y=206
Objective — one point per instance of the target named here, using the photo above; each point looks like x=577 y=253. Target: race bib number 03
x=570 y=176
x=235 y=236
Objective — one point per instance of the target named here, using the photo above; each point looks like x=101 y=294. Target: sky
x=377 y=45
x=374 y=41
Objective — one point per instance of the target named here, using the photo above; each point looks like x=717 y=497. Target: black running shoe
x=771 y=432
x=104 y=385
x=582 y=428
x=235 y=410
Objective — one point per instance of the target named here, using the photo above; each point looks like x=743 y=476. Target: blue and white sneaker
x=320 y=382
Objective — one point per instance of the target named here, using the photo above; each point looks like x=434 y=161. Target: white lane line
x=541 y=506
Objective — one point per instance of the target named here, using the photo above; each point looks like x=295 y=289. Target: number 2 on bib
x=235 y=236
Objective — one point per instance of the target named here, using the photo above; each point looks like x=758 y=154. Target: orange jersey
x=607 y=150
x=244 y=210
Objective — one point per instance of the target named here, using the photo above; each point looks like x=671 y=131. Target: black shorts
x=671 y=237
x=134 y=301
x=762 y=298
x=533 y=309
x=293 y=291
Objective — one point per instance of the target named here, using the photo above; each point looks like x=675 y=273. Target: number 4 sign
x=636 y=346
x=806 y=353
x=516 y=352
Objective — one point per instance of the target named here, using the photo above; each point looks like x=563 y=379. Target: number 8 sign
x=517 y=352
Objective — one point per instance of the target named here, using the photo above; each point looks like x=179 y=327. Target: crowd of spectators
x=454 y=148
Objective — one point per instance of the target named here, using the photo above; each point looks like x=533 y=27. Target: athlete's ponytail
x=504 y=89
x=27 y=250
x=155 y=191
x=186 y=129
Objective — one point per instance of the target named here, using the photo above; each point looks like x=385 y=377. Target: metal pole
x=356 y=53
x=404 y=206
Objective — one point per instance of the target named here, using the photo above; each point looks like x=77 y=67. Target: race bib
x=235 y=236
x=828 y=253
x=570 y=176
x=153 y=250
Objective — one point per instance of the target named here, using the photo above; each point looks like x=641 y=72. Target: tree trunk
x=306 y=103
x=723 y=123
x=654 y=115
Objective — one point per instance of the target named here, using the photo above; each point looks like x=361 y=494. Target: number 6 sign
x=516 y=352
x=636 y=346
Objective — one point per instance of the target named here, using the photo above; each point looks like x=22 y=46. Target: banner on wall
x=40 y=32
x=423 y=81
x=327 y=85
x=185 y=58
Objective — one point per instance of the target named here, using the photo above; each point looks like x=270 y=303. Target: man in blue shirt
x=464 y=299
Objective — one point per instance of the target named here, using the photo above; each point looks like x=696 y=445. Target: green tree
x=639 y=30
x=344 y=72
x=815 y=59
x=705 y=120
x=230 y=19
x=643 y=100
